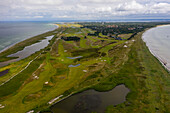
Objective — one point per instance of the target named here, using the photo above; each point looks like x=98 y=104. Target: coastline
x=163 y=63
x=10 y=46
x=134 y=71
x=22 y=44
x=161 y=25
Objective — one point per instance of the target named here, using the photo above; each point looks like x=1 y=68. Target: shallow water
x=4 y=72
x=158 y=41
x=28 y=50
x=74 y=65
x=75 y=57
x=91 y=101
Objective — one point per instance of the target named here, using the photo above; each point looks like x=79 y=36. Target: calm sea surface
x=13 y=32
x=158 y=41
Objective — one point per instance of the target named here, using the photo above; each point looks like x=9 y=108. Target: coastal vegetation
x=100 y=60
x=21 y=45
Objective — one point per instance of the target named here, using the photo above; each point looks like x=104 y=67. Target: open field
x=105 y=63
x=125 y=36
x=73 y=25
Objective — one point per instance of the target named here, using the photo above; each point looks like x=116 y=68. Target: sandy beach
x=156 y=40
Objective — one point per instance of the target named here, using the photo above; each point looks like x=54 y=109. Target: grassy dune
x=106 y=65
x=147 y=80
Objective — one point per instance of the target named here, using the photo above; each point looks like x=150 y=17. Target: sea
x=14 y=32
x=158 y=41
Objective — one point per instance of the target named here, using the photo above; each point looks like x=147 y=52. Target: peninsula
x=85 y=56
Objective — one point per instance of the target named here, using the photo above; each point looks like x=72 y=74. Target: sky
x=14 y=10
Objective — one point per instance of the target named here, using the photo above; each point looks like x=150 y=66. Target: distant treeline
x=94 y=34
x=71 y=38
x=132 y=36
x=119 y=28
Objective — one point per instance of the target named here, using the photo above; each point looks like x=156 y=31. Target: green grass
x=14 y=69
x=83 y=43
x=92 y=39
x=125 y=36
x=14 y=84
x=110 y=46
x=100 y=34
x=133 y=66
x=148 y=88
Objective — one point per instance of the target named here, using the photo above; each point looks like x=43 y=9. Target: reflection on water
x=28 y=50
x=91 y=101
x=75 y=57
x=74 y=65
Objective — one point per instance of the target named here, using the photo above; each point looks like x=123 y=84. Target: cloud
x=82 y=9
x=130 y=6
x=42 y=2
x=38 y=16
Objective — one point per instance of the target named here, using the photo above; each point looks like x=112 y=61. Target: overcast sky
x=83 y=9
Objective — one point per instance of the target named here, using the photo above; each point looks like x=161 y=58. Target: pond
x=91 y=101
x=75 y=57
x=74 y=65
x=4 y=72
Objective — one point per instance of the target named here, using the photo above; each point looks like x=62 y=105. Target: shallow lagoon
x=75 y=57
x=28 y=50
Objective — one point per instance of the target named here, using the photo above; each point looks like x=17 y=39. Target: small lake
x=91 y=101
x=28 y=50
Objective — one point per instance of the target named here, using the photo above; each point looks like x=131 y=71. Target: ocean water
x=13 y=32
x=27 y=51
x=158 y=41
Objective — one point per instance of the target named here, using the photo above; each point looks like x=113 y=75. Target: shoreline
x=134 y=66
x=152 y=52
x=161 y=25
x=8 y=47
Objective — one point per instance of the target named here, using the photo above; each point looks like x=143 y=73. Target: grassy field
x=106 y=62
x=147 y=79
x=125 y=36
x=72 y=25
